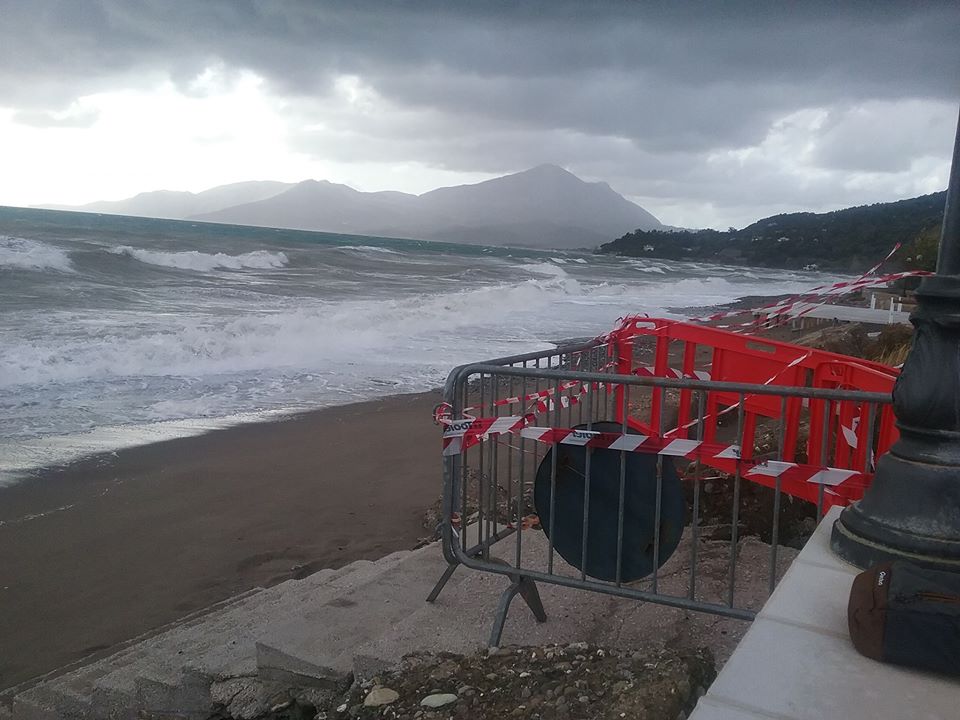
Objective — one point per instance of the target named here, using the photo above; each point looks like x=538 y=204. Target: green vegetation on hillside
x=850 y=239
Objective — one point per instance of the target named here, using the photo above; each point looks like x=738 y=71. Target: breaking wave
x=367 y=249
x=296 y=337
x=194 y=260
x=26 y=254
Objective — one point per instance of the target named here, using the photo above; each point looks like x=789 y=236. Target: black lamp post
x=912 y=509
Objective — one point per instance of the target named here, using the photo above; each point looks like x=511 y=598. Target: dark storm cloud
x=590 y=65
x=491 y=86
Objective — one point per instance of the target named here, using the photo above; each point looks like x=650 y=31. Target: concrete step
x=318 y=646
x=225 y=646
x=72 y=685
x=73 y=691
x=188 y=654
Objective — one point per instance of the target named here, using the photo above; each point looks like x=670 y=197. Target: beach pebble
x=380 y=696
x=438 y=700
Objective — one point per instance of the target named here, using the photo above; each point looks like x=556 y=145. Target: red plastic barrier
x=839 y=431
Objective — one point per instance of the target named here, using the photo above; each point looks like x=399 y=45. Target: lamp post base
x=912 y=512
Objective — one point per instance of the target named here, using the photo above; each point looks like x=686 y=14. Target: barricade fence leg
x=527 y=589
x=442 y=582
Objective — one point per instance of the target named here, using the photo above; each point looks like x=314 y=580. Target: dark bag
x=903 y=614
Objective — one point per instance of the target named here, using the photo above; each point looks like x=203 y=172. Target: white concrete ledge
x=796 y=661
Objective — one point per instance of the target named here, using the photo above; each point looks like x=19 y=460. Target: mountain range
x=545 y=206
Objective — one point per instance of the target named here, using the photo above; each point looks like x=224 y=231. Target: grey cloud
x=645 y=95
x=873 y=48
x=883 y=137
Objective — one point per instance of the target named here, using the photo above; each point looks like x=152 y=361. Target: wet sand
x=113 y=546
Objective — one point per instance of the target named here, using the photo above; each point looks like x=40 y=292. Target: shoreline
x=103 y=442
x=119 y=543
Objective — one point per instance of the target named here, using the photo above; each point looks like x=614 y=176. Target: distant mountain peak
x=545 y=171
x=544 y=206
x=549 y=168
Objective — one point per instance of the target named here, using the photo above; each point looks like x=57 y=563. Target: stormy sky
x=708 y=115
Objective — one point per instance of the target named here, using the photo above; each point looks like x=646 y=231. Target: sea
x=117 y=331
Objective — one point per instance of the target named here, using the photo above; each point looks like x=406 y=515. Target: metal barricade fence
x=539 y=449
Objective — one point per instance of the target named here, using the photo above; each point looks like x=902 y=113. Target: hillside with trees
x=849 y=240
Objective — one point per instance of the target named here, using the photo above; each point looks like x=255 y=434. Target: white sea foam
x=299 y=337
x=24 y=254
x=645 y=266
x=559 y=278
x=544 y=268
x=365 y=249
x=314 y=335
x=195 y=260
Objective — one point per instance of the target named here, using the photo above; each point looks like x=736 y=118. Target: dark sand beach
x=113 y=546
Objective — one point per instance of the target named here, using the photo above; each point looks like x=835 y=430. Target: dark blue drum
x=640 y=498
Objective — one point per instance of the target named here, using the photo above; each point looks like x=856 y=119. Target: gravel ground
x=562 y=682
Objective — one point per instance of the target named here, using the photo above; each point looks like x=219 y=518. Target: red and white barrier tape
x=459 y=435
x=650 y=371
x=785 y=309
x=782 y=306
x=443 y=413
x=691 y=450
